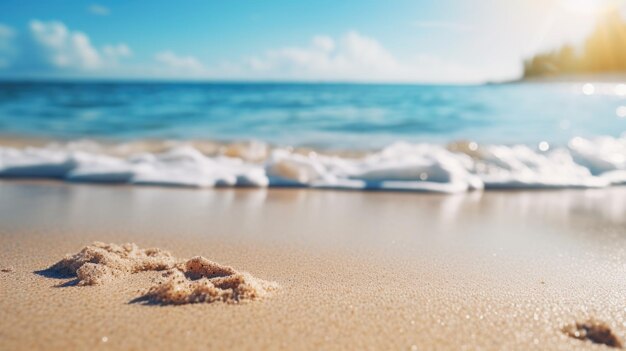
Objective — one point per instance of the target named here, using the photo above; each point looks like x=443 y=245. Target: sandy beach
x=293 y=175
x=357 y=270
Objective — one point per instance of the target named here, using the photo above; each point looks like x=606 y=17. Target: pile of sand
x=192 y=281
x=99 y=263
x=202 y=280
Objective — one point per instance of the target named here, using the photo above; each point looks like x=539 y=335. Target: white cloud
x=352 y=57
x=99 y=10
x=179 y=64
x=447 y=25
x=62 y=48
x=6 y=44
x=324 y=43
x=116 y=52
x=49 y=47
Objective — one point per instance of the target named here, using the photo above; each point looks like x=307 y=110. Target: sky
x=442 y=41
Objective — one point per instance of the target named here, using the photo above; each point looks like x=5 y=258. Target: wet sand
x=357 y=270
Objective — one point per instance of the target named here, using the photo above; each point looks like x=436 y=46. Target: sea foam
x=459 y=167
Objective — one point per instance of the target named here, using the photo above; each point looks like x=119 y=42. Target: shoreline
x=376 y=271
x=457 y=167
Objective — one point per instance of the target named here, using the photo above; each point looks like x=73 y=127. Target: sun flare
x=590 y=7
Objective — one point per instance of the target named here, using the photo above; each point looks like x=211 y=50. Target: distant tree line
x=604 y=51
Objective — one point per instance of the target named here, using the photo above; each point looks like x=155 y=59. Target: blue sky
x=324 y=40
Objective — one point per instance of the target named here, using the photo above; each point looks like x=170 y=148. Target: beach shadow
x=144 y=300
x=73 y=282
x=55 y=274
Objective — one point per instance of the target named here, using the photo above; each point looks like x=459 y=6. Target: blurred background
x=348 y=75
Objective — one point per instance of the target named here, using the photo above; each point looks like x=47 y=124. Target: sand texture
x=99 y=263
x=536 y=270
x=201 y=280
x=195 y=280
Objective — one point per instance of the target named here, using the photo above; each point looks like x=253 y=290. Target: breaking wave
x=453 y=168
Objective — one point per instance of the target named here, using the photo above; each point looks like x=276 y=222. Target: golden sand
x=358 y=271
x=196 y=280
x=201 y=280
x=99 y=263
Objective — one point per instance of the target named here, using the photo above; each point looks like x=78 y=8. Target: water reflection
x=309 y=217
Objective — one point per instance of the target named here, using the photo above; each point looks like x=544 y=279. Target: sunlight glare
x=589 y=7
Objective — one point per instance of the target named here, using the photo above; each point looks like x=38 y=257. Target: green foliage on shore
x=604 y=51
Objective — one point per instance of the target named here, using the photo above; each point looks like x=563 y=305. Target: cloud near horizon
x=52 y=48
x=6 y=38
x=351 y=57
x=62 y=48
x=116 y=52
x=175 y=63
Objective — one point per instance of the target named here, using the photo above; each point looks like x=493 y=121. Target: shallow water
x=398 y=137
x=323 y=115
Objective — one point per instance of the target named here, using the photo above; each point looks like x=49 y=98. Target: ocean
x=410 y=137
x=342 y=116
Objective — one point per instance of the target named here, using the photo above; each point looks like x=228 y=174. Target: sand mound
x=201 y=280
x=98 y=263
x=594 y=331
x=196 y=280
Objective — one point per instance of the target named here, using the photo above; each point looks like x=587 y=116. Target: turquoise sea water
x=322 y=115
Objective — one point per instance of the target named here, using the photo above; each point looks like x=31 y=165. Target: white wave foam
x=583 y=163
x=400 y=166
